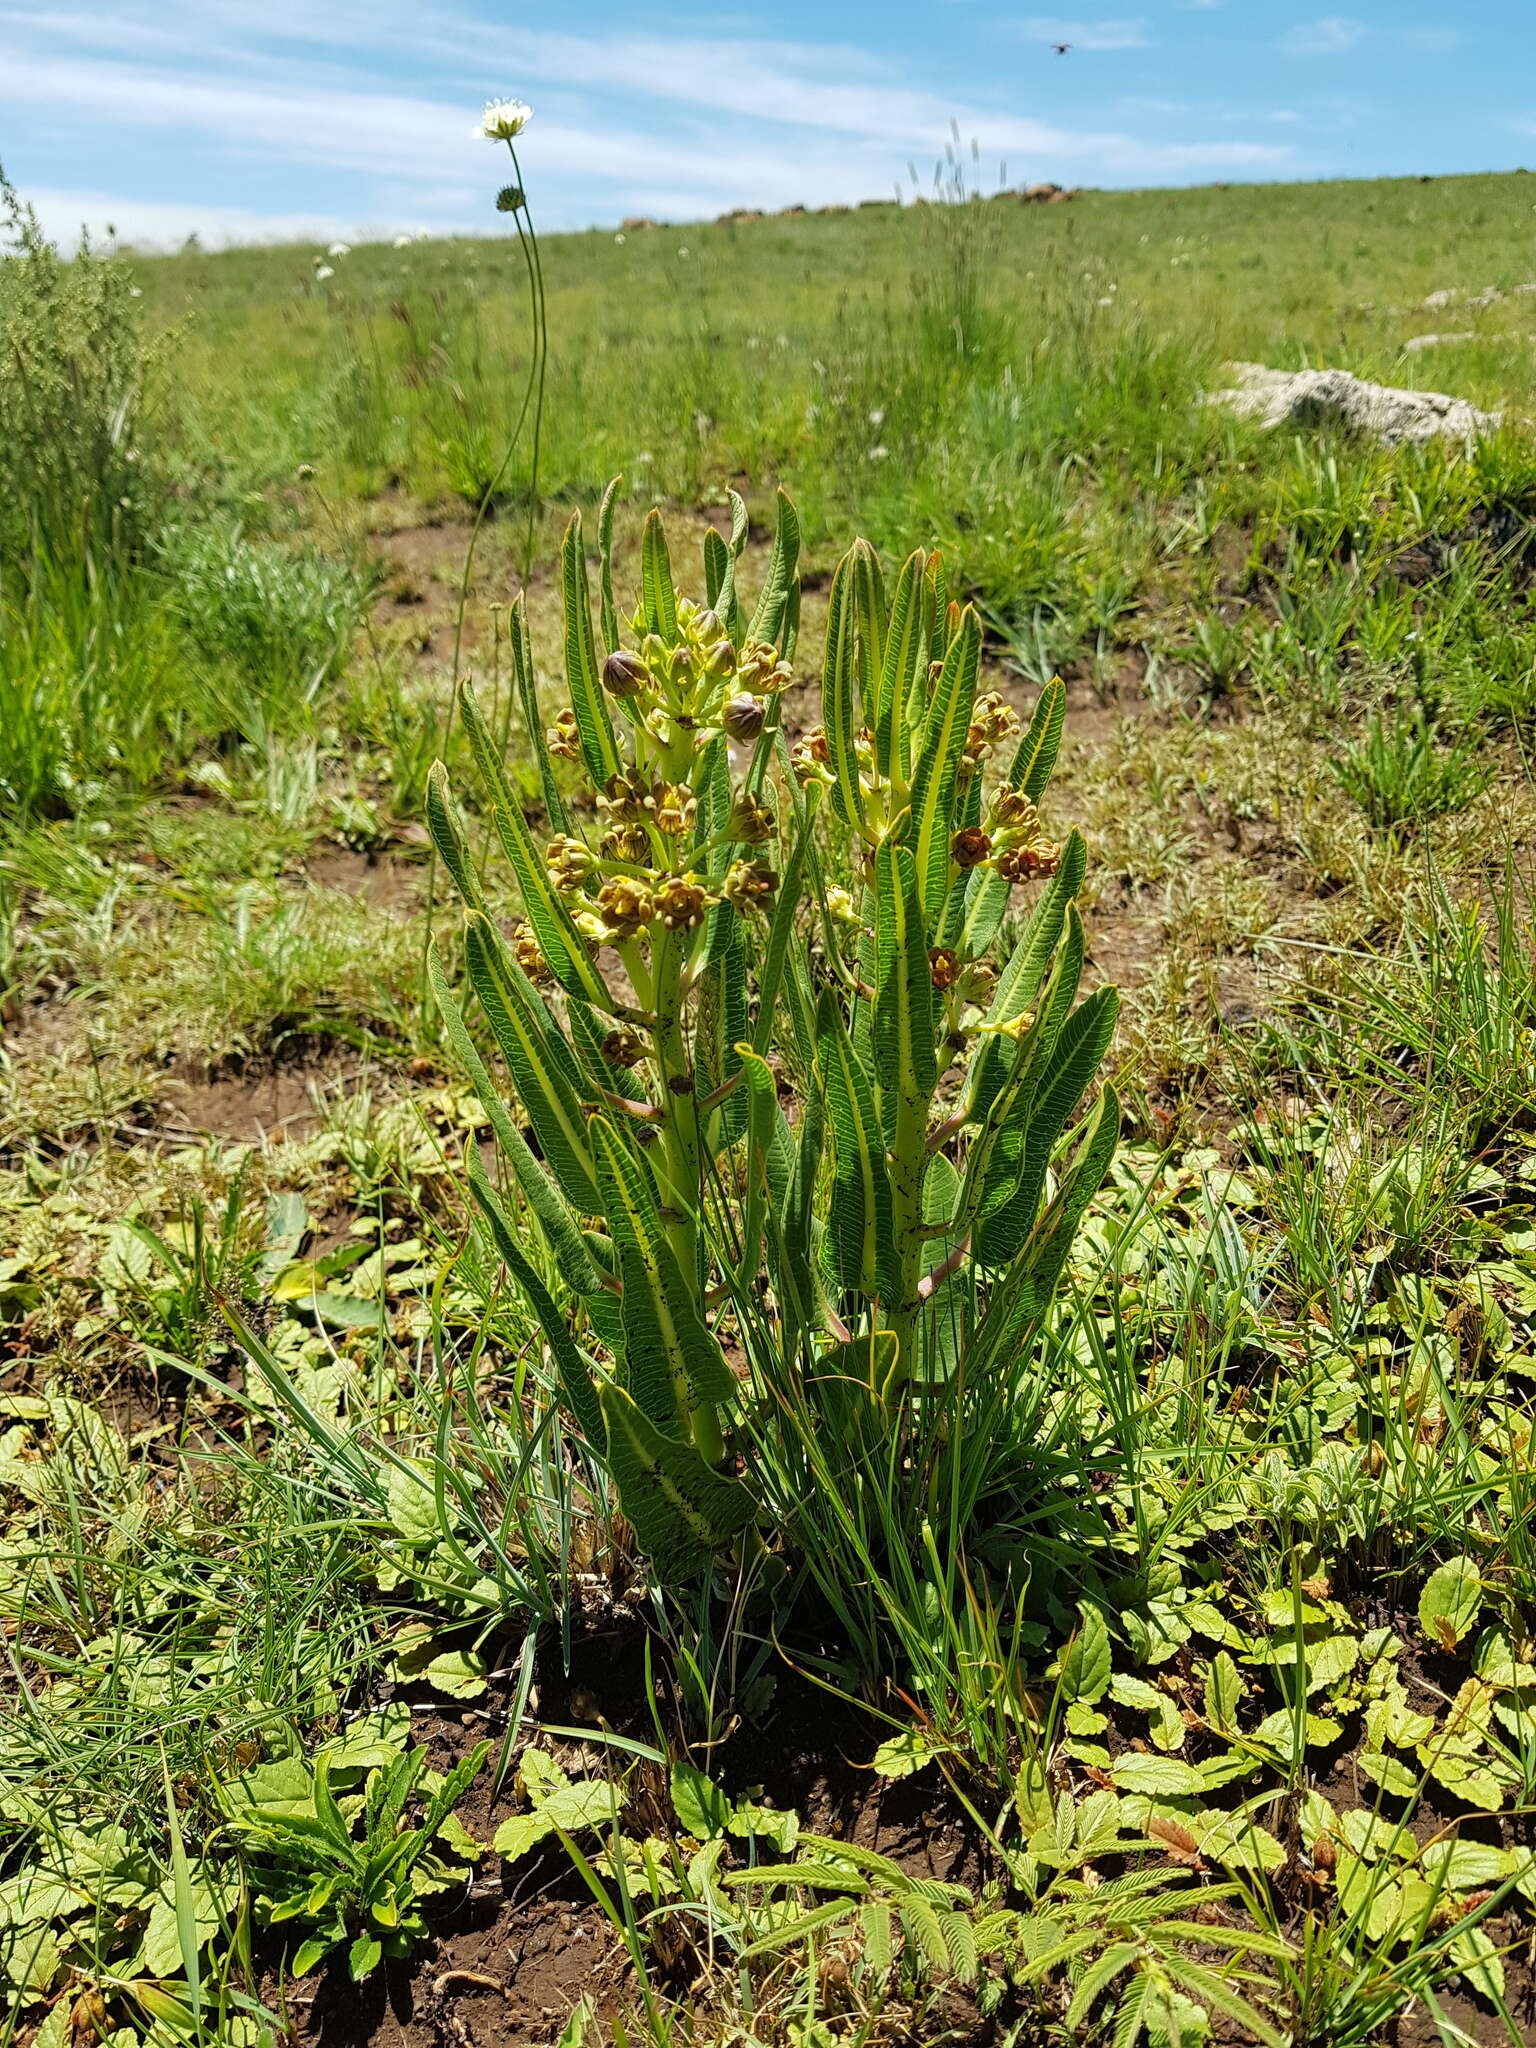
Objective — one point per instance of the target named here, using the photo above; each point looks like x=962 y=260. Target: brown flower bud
x=681 y=904
x=629 y=799
x=569 y=861
x=629 y=843
x=529 y=955
x=627 y=906
x=968 y=849
x=707 y=624
x=624 y=674
x=810 y=758
x=720 y=660
x=743 y=717
x=1012 y=811
x=676 y=809
x=978 y=982
x=749 y=884
x=623 y=1048
x=993 y=718
x=944 y=966
x=563 y=738
x=1028 y=863
x=750 y=821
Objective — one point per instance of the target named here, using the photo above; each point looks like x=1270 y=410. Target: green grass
x=1247 y=1547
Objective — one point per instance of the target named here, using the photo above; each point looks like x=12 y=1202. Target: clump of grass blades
x=1399 y=774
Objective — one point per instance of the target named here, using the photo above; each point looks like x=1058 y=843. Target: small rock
x=1310 y=398
x=1417 y=341
x=1447 y=297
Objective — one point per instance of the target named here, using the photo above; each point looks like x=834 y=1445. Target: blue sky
x=258 y=119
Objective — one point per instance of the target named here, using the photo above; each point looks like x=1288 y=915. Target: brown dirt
x=512 y=1957
x=254 y=1107
x=388 y=880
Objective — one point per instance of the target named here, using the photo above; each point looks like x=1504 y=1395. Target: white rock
x=1417 y=341
x=1448 y=297
x=1311 y=398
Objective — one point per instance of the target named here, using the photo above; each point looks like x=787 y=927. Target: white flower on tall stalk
x=403 y=241
x=339 y=249
x=322 y=272
x=502 y=121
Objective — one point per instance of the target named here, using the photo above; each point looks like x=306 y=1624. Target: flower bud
x=627 y=906
x=563 y=739
x=630 y=844
x=1028 y=863
x=810 y=758
x=968 y=849
x=675 y=810
x=1013 y=811
x=841 y=906
x=944 y=966
x=509 y=199
x=529 y=955
x=750 y=821
x=708 y=625
x=681 y=904
x=624 y=674
x=978 y=982
x=743 y=717
x=569 y=861
x=720 y=660
x=749 y=884
x=623 y=1048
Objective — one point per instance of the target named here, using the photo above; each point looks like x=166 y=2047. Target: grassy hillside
x=1171 y=1679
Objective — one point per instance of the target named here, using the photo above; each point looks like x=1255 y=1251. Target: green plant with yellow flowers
x=774 y=1073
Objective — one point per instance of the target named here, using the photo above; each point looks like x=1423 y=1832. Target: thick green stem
x=681 y=1164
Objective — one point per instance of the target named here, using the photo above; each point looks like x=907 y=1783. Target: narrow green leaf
x=593 y=727
x=525 y=682
x=837 y=696
x=683 y=1511
x=936 y=775
x=1016 y=1170
x=1034 y=759
x=538 y=1060
x=672 y=1360
x=448 y=836
x=573 y=1366
x=903 y=1022
x=869 y=612
x=658 y=597
x=562 y=945
x=607 y=611
x=543 y=1198
x=905 y=657
x=778 y=605
x=860 y=1224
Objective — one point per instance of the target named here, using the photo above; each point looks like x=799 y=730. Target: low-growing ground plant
x=1400 y=775
x=758 y=1024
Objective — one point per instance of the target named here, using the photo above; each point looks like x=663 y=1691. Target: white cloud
x=158 y=223
x=1083 y=35
x=1329 y=37
x=674 y=126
